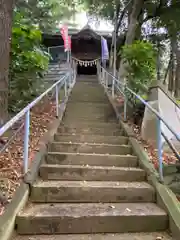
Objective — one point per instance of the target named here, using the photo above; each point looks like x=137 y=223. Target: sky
x=81 y=19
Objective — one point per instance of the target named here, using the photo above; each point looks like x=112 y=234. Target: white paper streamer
x=86 y=63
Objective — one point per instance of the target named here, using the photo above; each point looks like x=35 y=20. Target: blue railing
x=66 y=82
x=105 y=77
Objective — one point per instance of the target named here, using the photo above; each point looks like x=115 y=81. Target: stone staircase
x=90 y=186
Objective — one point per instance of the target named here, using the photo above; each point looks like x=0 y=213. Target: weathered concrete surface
x=93 y=128
x=20 y=198
x=123 y=236
x=7 y=220
x=95 y=179
x=87 y=92
x=98 y=191
x=90 y=130
x=165 y=197
x=75 y=138
x=91 y=159
x=90 y=173
x=91 y=218
x=107 y=117
x=90 y=148
x=90 y=106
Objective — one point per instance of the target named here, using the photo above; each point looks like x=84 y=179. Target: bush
x=141 y=67
x=28 y=62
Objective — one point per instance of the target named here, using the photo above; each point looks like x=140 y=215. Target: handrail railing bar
x=148 y=106
x=171 y=146
x=154 y=111
x=12 y=138
x=120 y=91
x=9 y=124
x=55 y=46
x=127 y=91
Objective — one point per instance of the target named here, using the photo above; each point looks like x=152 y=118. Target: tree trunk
x=111 y=52
x=158 y=61
x=171 y=72
x=115 y=33
x=131 y=33
x=171 y=76
x=177 y=71
x=6 y=14
x=167 y=71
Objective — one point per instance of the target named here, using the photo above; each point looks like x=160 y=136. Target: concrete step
x=90 y=173
x=89 y=114
x=92 y=93
x=91 y=218
x=82 y=191
x=90 y=105
x=96 y=108
x=93 y=109
x=90 y=97
x=91 y=124
x=88 y=88
x=91 y=159
x=88 y=118
x=77 y=124
x=107 y=236
x=91 y=129
x=87 y=99
x=91 y=138
x=90 y=148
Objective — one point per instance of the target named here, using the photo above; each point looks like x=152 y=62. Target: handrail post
x=106 y=81
x=57 y=101
x=26 y=141
x=103 y=76
x=72 y=76
x=65 y=87
x=125 y=104
x=159 y=148
x=100 y=75
x=113 y=82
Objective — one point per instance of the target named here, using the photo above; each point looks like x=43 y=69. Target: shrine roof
x=75 y=32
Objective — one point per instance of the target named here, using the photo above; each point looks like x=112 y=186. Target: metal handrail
x=66 y=81
x=103 y=72
x=145 y=103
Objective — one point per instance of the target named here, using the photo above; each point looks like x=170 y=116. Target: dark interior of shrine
x=87 y=70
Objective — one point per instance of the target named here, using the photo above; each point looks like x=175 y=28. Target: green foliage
x=28 y=62
x=28 y=59
x=46 y=14
x=141 y=59
x=100 y=8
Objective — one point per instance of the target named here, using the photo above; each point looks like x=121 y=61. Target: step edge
x=129 y=205
x=118 y=184
x=44 y=165
x=92 y=144
x=91 y=154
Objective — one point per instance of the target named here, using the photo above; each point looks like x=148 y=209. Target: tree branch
x=161 y=9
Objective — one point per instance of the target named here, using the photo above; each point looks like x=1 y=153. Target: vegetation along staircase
x=90 y=185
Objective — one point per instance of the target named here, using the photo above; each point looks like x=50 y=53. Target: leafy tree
x=46 y=14
x=6 y=7
x=28 y=61
x=156 y=21
x=27 y=57
x=141 y=59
